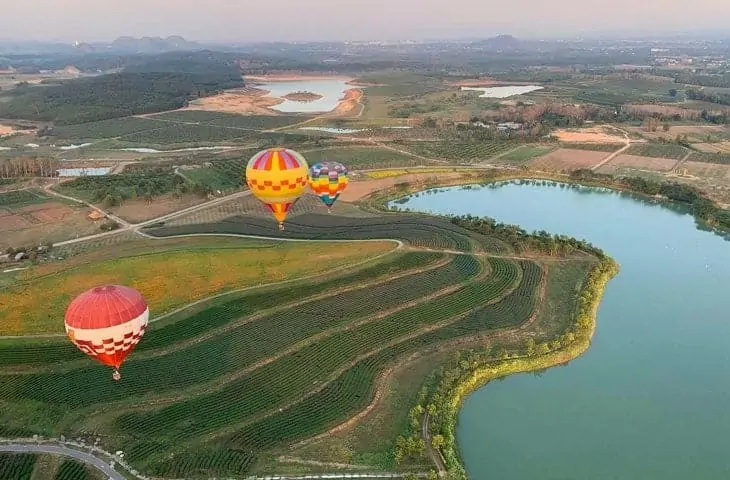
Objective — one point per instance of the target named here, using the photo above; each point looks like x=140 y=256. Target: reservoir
x=650 y=399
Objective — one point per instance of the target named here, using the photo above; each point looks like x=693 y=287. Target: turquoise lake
x=650 y=399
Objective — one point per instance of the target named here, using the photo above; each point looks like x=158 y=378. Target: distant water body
x=332 y=91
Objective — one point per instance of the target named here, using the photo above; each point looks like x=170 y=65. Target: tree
x=672 y=92
x=437 y=441
x=665 y=127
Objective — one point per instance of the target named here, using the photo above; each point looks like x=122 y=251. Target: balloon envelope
x=107 y=322
x=327 y=180
x=277 y=177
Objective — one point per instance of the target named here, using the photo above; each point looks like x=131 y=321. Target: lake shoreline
x=593 y=288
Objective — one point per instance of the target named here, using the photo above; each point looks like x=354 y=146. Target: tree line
x=702 y=207
x=18 y=167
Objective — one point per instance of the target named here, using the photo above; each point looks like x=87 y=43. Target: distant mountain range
x=120 y=45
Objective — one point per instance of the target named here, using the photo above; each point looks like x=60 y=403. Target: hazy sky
x=269 y=20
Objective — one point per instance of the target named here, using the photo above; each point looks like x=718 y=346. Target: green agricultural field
x=723 y=158
x=124 y=186
x=658 y=150
x=22 y=198
x=26 y=466
x=224 y=387
x=222 y=175
x=252 y=122
x=593 y=147
x=460 y=151
x=362 y=158
x=182 y=133
x=117 y=127
x=525 y=153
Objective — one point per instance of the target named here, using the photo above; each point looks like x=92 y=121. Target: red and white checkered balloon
x=107 y=322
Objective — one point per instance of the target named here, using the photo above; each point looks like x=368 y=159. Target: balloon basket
x=329 y=209
x=116 y=375
x=281 y=226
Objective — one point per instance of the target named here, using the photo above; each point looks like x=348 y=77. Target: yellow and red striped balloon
x=277 y=177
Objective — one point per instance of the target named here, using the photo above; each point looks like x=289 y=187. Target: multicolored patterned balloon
x=277 y=177
x=327 y=180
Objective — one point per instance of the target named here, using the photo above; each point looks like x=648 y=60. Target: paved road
x=69 y=452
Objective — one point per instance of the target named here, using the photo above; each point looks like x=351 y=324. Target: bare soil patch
x=357 y=190
x=250 y=101
x=638 y=162
x=6 y=130
x=135 y=211
x=697 y=132
x=10 y=221
x=45 y=222
x=567 y=159
x=47 y=212
x=350 y=103
x=723 y=147
x=710 y=171
x=587 y=135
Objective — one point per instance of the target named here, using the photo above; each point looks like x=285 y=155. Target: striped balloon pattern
x=277 y=177
x=106 y=323
x=327 y=180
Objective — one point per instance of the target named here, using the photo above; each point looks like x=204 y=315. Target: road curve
x=84 y=457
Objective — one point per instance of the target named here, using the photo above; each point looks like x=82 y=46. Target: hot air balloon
x=277 y=177
x=107 y=322
x=328 y=180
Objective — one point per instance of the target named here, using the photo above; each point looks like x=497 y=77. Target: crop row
x=184 y=326
x=19 y=198
x=184 y=133
x=362 y=158
x=294 y=375
x=352 y=390
x=255 y=122
x=418 y=230
x=16 y=465
x=244 y=345
x=112 y=128
x=659 y=150
x=462 y=152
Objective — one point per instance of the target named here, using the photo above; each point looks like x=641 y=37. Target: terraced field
x=26 y=466
x=222 y=387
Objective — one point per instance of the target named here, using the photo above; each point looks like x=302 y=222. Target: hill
x=150 y=85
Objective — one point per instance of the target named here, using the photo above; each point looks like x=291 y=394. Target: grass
x=222 y=388
x=23 y=198
x=168 y=279
x=362 y=158
x=658 y=150
x=525 y=153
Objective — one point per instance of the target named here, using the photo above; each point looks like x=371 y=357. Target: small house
x=96 y=215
